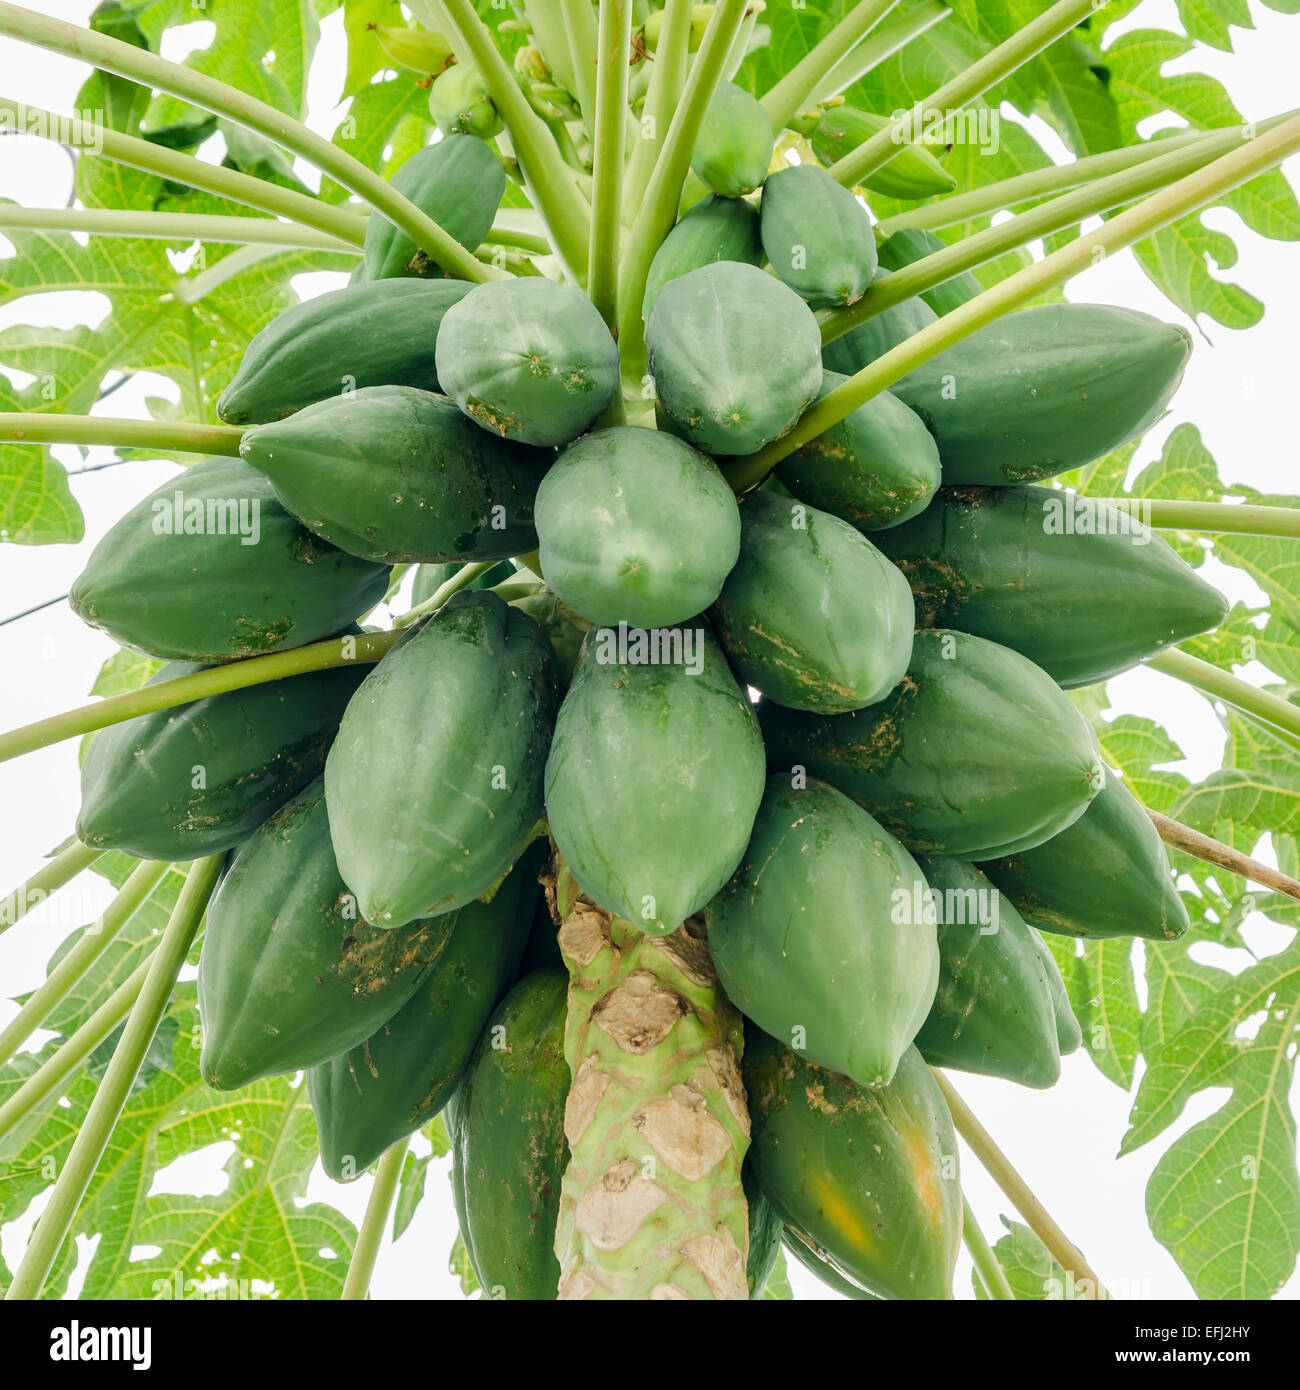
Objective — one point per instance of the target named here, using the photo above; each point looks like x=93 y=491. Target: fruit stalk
x=796 y=87
x=1150 y=215
x=1271 y=710
x=42 y=427
x=658 y=209
x=175 y=226
x=49 y=878
x=667 y=77
x=1003 y=60
x=651 y=1204
x=183 y=168
x=101 y=1119
x=371 y=1234
x=1211 y=518
x=1014 y=1186
x=1192 y=842
x=550 y=180
x=36 y=1009
x=1067 y=210
x=114 y=56
x=982 y=1256
x=614 y=44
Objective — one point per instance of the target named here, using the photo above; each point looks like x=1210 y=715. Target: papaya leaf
x=435 y=1131
x=410 y=1191
x=1103 y=995
x=778 y=1282
x=1177 y=985
x=460 y=1266
x=256 y=1238
x=1030 y=1269
x=1224 y=1199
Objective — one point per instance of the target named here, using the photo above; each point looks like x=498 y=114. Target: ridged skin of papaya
x=385 y=1087
x=734 y=146
x=817 y=236
x=204 y=594
x=822 y=936
x=1105 y=875
x=875 y=336
x=912 y=173
x=457 y=181
x=200 y=778
x=654 y=776
x=1045 y=390
x=995 y=1009
x=508 y=1149
x=1012 y=564
x=735 y=356
x=375 y=333
x=812 y=614
x=610 y=548
x=396 y=476
x=868 y=1179
x=876 y=468
x=289 y=973
x=434 y=783
x=715 y=229
x=528 y=360
x=976 y=746
x=914 y=244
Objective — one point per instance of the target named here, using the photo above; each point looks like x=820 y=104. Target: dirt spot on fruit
x=492 y=418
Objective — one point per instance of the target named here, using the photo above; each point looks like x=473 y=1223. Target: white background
x=1241 y=391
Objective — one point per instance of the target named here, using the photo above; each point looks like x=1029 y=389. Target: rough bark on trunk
x=652 y=1204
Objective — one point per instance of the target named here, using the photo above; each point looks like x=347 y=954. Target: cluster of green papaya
x=829 y=715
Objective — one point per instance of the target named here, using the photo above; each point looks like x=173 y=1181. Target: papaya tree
x=616 y=689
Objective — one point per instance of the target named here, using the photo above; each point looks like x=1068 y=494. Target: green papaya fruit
x=1106 y=874
x=289 y=973
x=995 y=1009
x=914 y=244
x=200 y=778
x=397 y=475
x=1084 y=590
x=460 y=103
x=815 y=1262
x=375 y=333
x=210 y=566
x=611 y=549
x=528 y=359
x=734 y=146
x=715 y=229
x=735 y=356
x=975 y=747
x=812 y=614
x=817 y=236
x=434 y=783
x=867 y=1178
x=655 y=773
x=459 y=182
x=385 y=1087
x=508 y=1150
x=823 y=937
x=412 y=48
x=1045 y=390
x=430 y=578
x=912 y=173
x=876 y=468
x=876 y=336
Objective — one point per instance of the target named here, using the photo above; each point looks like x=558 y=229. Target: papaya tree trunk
x=651 y=1204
